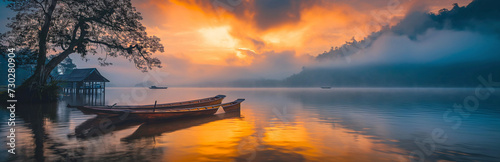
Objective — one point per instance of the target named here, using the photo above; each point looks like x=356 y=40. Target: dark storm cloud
x=272 y=13
x=269 y=13
x=266 y=13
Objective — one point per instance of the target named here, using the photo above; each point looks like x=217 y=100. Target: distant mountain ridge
x=479 y=16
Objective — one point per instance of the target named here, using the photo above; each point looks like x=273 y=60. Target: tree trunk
x=39 y=79
x=33 y=88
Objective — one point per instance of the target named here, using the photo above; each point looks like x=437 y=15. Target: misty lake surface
x=275 y=124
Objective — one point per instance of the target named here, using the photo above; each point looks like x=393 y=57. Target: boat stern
x=220 y=96
x=234 y=106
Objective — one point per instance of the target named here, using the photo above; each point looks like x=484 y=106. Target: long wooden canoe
x=161 y=114
x=185 y=104
x=172 y=113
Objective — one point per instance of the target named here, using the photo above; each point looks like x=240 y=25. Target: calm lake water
x=275 y=124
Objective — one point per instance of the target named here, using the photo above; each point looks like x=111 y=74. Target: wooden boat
x=172 y=113
x=234 y=106
x=155 y=87
x=162 y=114
x=185 y=104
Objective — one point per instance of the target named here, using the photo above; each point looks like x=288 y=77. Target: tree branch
x=74 y=43
x=128 y=49
x=41 y=5
x=113 y=45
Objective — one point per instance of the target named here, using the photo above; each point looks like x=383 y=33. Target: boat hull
x=233 y=106
x=171 y=115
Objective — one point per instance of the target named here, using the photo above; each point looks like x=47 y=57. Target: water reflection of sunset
x=318 y=141
x=211 y=141
x=312 y=127
x=253 y=135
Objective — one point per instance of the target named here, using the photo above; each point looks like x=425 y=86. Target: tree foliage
x=59 y=28
x=62 y=27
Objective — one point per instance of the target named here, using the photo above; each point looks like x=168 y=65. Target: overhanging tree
x=63 y=27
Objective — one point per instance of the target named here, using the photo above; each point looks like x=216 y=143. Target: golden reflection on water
x=216 y=140
x=253 y=138
x=320 y=126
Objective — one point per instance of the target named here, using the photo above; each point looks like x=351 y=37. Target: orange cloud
x=241 y=34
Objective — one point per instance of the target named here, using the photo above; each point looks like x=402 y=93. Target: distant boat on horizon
x=155 y=87
x=326 y=87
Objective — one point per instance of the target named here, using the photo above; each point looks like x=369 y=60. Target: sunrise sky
x=245 y=39
x=208 y=32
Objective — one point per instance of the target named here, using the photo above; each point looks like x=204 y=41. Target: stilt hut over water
x=86 y=81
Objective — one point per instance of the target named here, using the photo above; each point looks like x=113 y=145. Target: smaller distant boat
x=326 y=87
x=155 y=87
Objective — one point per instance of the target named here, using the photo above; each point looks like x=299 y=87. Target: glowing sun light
x=218 y=37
